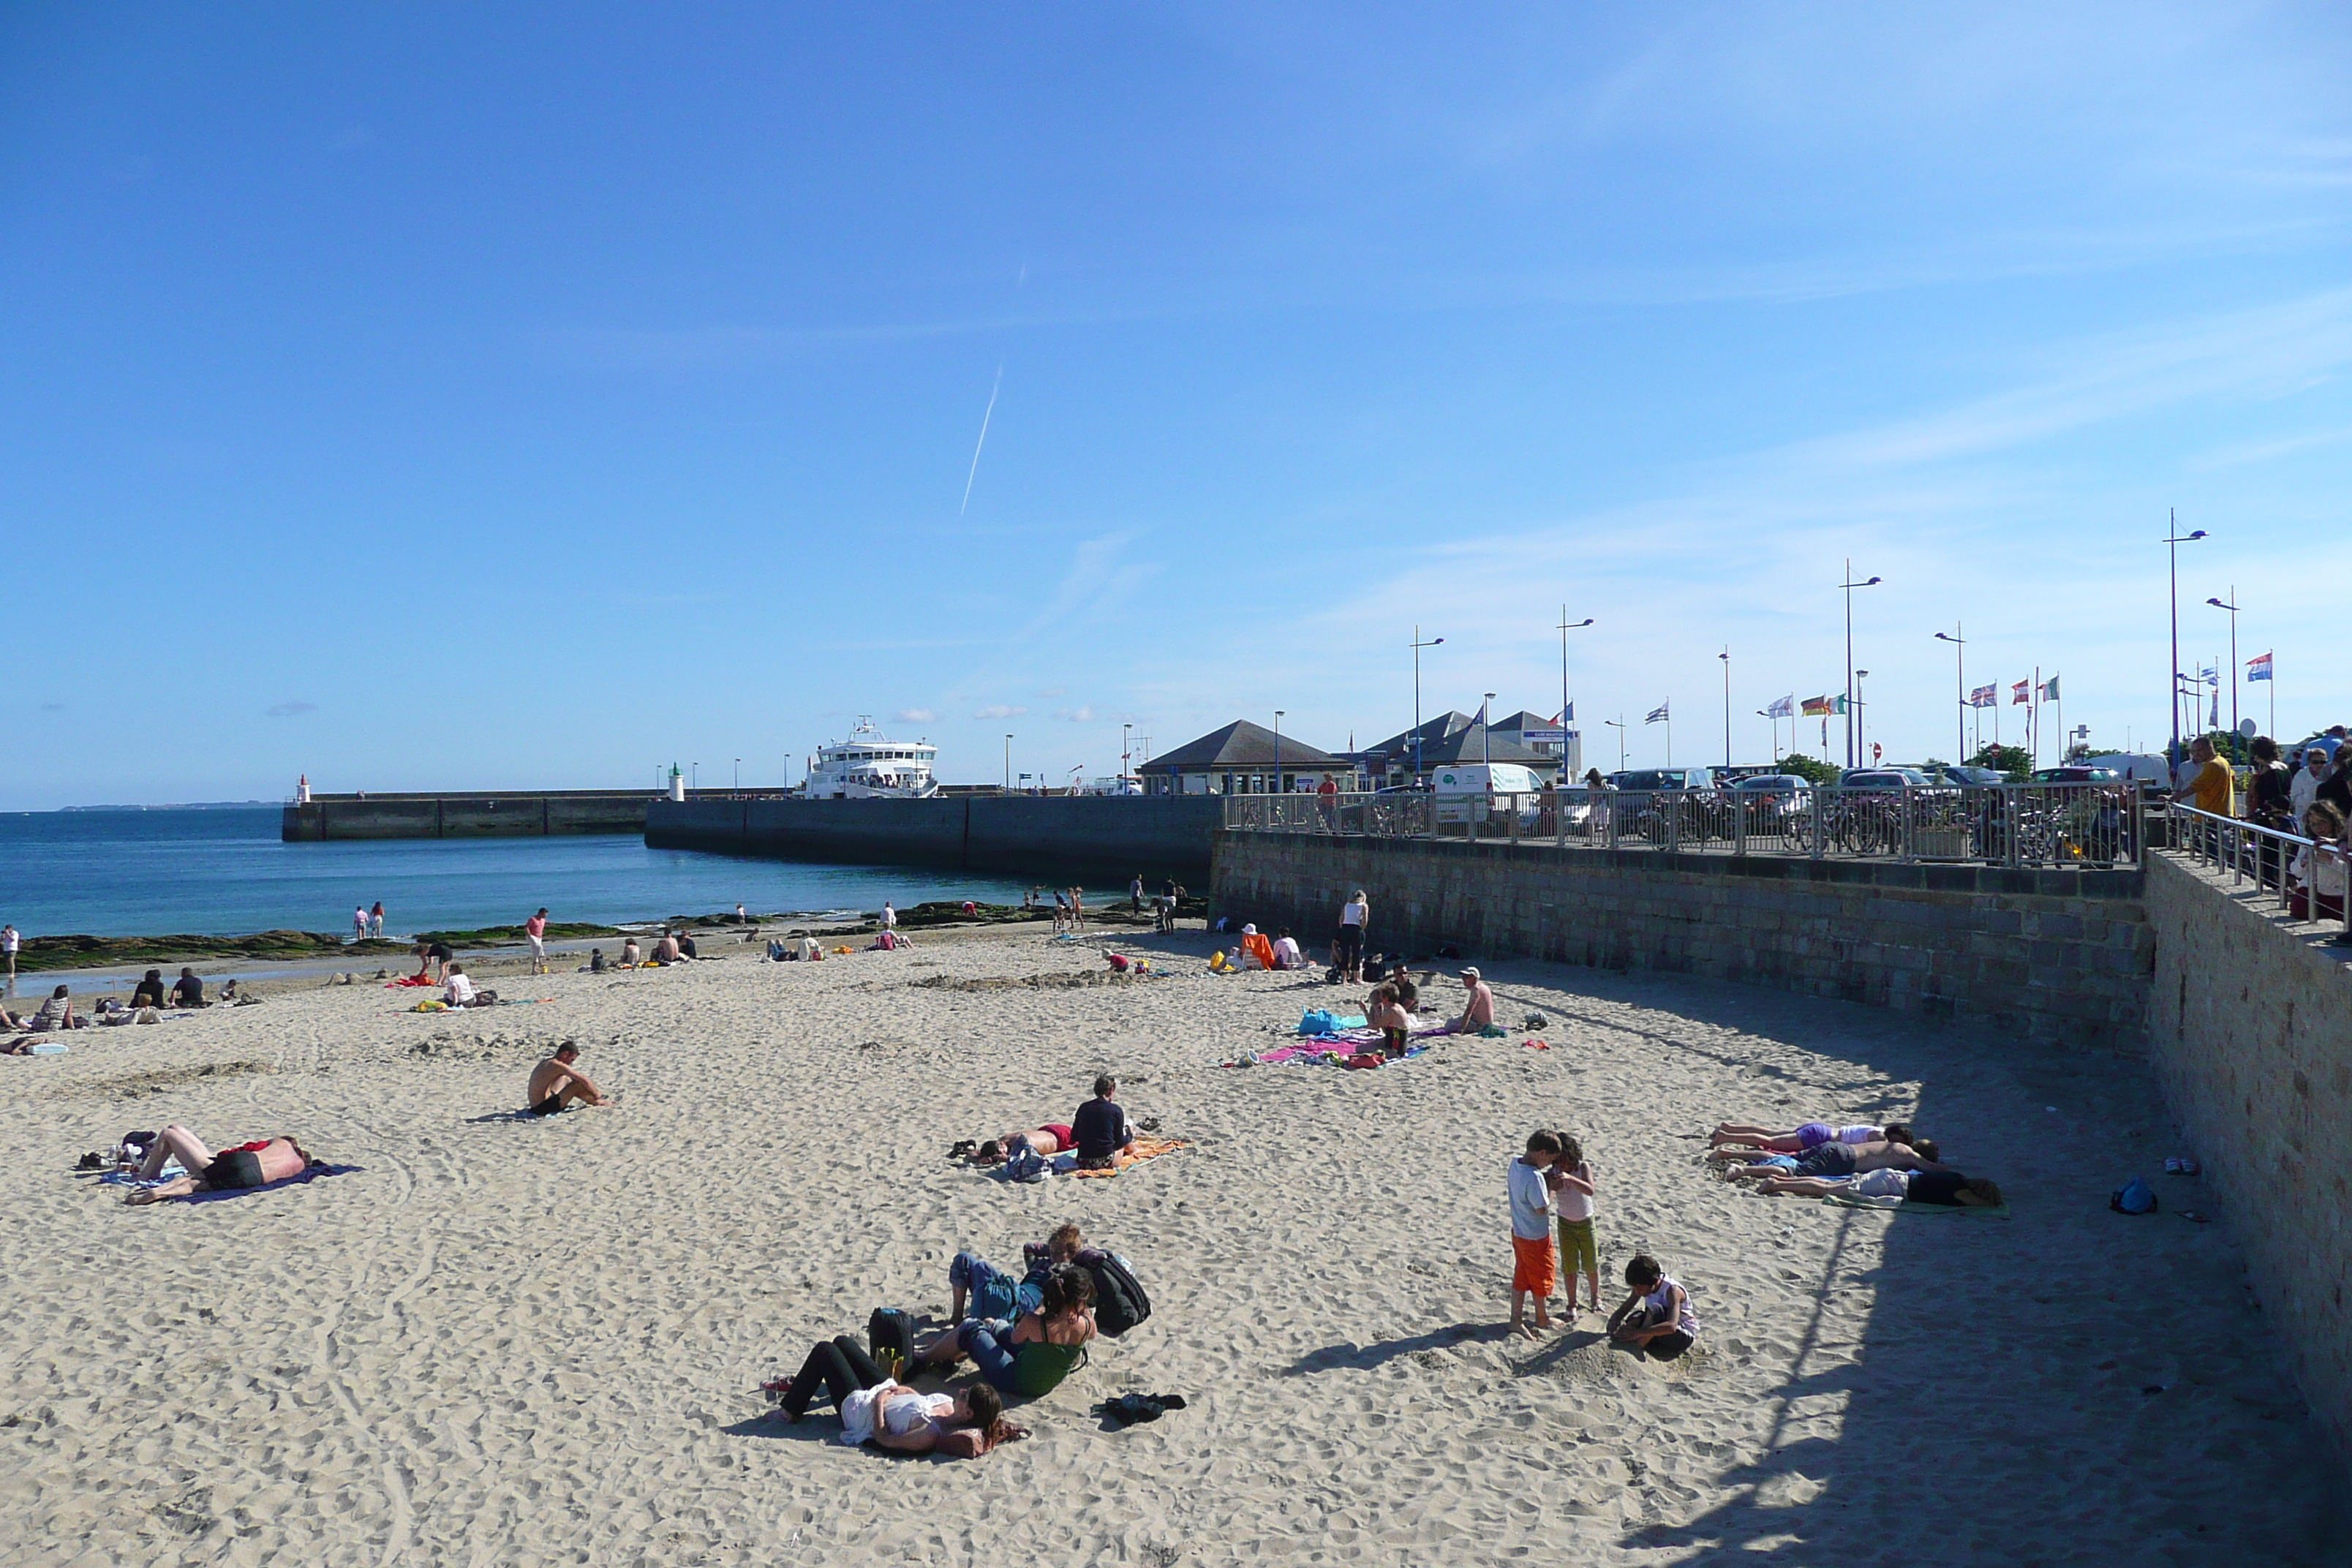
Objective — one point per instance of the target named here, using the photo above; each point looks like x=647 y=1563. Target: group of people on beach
x=1024 y=1336
x=1552 y=1180
x=1867 y=1160
x=1098 y=1135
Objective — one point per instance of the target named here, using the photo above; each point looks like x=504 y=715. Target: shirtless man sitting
x=558 y=1082
x=1478 y=1008
x=1833 y=1160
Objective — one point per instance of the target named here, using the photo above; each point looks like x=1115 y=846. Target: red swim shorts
x=1534 y=1268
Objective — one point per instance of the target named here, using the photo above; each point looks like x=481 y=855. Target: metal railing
x=2307 y=877
x=2040 y=825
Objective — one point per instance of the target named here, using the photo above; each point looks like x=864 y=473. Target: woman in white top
x=2317 y=869
x=1348 y=946
x=875 y=1408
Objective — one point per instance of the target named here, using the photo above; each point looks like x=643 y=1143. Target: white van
x=1482 y=788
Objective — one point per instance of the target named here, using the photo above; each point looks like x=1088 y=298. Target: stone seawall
x=483 y=815
x=2062 y=956
x=2250 y=1030
x=1110 y=836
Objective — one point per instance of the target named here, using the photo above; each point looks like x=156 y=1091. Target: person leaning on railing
x=2318 y=870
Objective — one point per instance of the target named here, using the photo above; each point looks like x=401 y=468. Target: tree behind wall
x=2013 y=761
x=1805 y=768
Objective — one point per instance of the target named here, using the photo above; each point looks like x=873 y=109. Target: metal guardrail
x=2040 y=825
x=2287 y=866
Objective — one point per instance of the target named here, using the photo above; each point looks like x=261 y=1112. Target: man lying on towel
x=558 y=1082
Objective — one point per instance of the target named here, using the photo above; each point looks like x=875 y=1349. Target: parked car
x=2077 y=775
x=1953 y=772
x=1883 y=778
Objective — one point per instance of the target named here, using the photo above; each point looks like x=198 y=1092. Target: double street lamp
x=1852 y=728
x=1960 y=679
x=1417 y=645
x=2172 y=542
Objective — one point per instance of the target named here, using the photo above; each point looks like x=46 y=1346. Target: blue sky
x=458 y=396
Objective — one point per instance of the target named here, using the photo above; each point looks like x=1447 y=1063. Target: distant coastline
x=176 y=805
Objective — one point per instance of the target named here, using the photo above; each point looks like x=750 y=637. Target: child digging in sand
x=1570 y=1181
x=1532 y=1269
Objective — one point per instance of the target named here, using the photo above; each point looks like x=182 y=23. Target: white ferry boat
x=871 y=766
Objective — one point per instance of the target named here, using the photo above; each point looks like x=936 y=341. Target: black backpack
x=890 y=1332
x=1119 y=1300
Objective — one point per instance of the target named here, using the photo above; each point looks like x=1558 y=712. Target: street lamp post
x=1960 y=683
x=1566 y=627
x=1125 y=753
x=1726 y=657
x=1276 y=788
x=693 y=777
x=2233 y=608
x=1008 y=764
x=1618 y=725
x=1417 y=645
x=739 y=776
x=1486 y=742
x=2173 y=540
x=1852 y=727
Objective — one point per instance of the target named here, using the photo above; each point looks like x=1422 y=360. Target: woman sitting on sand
x=254 y=1164
x=56 y=1013
x=874 y=1408
x=1039 y=1350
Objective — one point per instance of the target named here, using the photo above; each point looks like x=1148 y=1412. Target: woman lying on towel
x=254 y=1164
x=1802 y=1139
x=1949 y=1189
x=877 y=1410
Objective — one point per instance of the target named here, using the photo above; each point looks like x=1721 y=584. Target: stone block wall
x=2250 y=1027
x=2060 y=956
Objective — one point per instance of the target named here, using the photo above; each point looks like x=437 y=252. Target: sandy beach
x=512 y=1342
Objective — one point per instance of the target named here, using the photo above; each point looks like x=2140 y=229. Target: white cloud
x=916 y=716
x=999 y=710
x=287 y=710
x=1074 y=715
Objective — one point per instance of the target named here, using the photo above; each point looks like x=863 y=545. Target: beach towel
x=1321 y=1021
x=1142 y=1149
x=312 y=1174
x=1856 y=1201
x=409 y=980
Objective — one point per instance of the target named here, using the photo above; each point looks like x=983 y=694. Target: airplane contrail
x=976 y=445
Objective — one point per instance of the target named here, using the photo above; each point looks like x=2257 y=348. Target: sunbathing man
x=254 y=1164
x=1049 y=1138
x=1737 y=1144
x=1477 y=1009
x=631 y=955
x=1836 y=1160
x=189 y=991
x=666 y=950
x=558 y=1082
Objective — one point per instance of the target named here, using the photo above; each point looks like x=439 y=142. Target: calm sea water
x=224 y=873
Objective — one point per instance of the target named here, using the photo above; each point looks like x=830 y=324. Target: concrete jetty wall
x=2251 y=1033
x=1115 y=836
x=2053 y=955
x=482 y=814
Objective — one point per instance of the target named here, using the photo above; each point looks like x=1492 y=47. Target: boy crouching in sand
x=1533 y=1272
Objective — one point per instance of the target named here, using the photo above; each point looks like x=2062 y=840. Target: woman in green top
x=1039 y=1350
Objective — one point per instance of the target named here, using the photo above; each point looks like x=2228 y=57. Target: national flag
x=1782 y=707
x=1659 y=715
x=1566 y=716
x=2049 y=689
x=1985 y=697
x=2210 y=674
x=1481 y=719
x=2259 y=667
x=1822 y=707
x=2020 y=692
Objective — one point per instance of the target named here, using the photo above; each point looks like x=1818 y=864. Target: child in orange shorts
x=1534 y=1270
